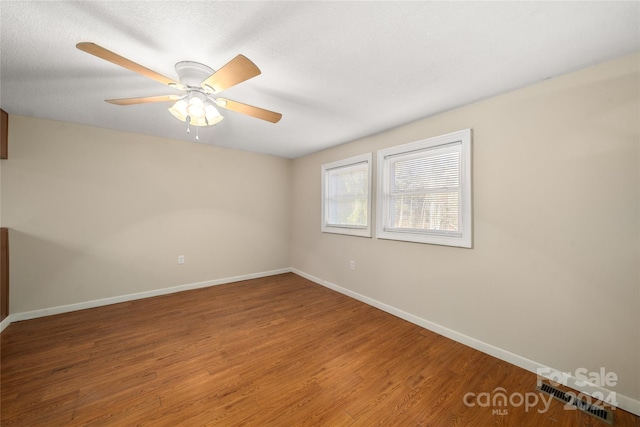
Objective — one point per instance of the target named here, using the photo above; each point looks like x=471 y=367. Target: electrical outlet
x=180 y=259
x=352 y=265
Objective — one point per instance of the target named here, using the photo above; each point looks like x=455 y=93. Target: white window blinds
x=346 y=202
x=347 y=195
x=424 y=190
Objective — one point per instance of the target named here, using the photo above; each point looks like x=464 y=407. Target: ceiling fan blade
x=107 y=55
x=249 y=110
x=132 y=101
x=233 y=72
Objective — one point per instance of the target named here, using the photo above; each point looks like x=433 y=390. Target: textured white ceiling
x=337 y=71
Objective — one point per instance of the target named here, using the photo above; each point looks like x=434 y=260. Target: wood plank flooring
x=276 y=351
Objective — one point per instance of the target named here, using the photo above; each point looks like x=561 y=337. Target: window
x=346 y=200
x=424 y=191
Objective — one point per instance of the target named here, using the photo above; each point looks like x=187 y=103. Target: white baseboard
x=5 y=322
x=623 y=402
x=16 y=317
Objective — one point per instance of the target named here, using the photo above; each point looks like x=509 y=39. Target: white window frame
x=464 y=237
x=362 y=231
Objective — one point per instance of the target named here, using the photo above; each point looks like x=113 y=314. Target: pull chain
x=188 y=120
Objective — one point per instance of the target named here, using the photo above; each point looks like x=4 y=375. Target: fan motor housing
x=192 y=74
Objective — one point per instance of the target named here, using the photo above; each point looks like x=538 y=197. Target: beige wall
x=554 y=272
x=97 y=213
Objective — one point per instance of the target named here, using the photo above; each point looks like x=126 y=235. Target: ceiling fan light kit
x=196 y=111
x=199 y=81
x=195 y=108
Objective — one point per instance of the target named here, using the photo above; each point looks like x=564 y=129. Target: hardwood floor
x=277 y=351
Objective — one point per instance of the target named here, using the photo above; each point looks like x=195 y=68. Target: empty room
x=320 y=213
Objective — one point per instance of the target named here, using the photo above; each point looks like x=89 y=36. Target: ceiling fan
x=200 y=82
